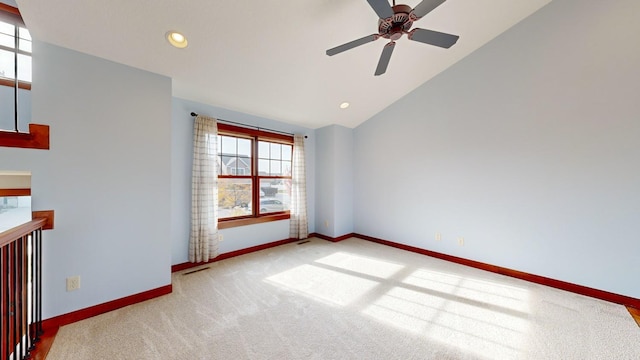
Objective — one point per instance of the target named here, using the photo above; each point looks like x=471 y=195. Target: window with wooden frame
x=254 y=176
x=15 y=49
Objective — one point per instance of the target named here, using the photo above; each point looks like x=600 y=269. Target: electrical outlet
x=461 y=241
x=220 y=237
x=438 y=236
x=73 y=283
x=326 y=223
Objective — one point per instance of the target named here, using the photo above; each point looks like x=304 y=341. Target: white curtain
x=299 y=228
x=203 y=241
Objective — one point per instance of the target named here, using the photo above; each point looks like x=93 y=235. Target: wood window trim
x=15 y=192
x=11 y=14
x=226 y=129
x=257 y=135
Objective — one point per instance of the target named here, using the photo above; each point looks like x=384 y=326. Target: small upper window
x=15 y=48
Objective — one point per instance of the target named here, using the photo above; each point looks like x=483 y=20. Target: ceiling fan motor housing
x=400 y=23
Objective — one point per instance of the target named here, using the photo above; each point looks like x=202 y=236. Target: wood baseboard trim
x=332 y=239
x=43 y=345
x=188 y=265
x=65 y=319
x=558 y=284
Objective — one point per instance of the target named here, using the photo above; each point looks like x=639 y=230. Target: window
x=254 y=175
x=15 y=46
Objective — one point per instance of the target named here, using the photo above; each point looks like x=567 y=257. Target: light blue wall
x=334 y=169
x=7 y=113
x=181 y=158
x=107 y=176
x=528 y=149
x=325 y=181
x=343 y=166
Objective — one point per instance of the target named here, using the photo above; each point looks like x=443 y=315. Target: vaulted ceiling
x=267 y=58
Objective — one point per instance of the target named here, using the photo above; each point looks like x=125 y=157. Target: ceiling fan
x=395 y=21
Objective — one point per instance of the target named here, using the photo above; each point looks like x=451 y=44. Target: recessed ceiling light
x=344 y=105
x=177 y=39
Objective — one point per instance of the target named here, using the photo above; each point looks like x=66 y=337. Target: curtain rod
x=250 y=126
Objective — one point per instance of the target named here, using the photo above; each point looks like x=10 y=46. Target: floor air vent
x=195 y=271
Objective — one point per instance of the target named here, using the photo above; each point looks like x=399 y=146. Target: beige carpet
x=353 y=300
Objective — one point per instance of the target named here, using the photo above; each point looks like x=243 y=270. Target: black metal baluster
x=24 y=336
x=25 y=297
x=14 y=281
x=14 y=300
x=32 y=324
x=19 y=297
x=27 y=311
x=7 y=300
x=39 y=293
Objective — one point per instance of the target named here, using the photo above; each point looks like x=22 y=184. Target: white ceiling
x=267 y=58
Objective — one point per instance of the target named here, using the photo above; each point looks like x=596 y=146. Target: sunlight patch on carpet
x=491 y=293
x=361 y=264
x=486 y=319
x=322 y=284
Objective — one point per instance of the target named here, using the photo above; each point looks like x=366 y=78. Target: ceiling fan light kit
x=394 y=22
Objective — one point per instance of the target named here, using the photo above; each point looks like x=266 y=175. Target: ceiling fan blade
x=425 y=7
x=352 y=44
x=431 y=37
x=382 y=8
x=384 y=58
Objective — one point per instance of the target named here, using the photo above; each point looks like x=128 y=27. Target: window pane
x=244 y=147
x=24 y=45
x=263 y=149
x=6 y=28
x=277 y=196
x=227 y=163
x=234 y=165
x=7 y=40
x=24 y=68
x=228 y=146
x=234 y=198
x=6 y=64
x=276 y=152
x=276 y=168
x=263 y=167
x=286 y=168
x=243 y=164
x=24 y=33
x=286 y=152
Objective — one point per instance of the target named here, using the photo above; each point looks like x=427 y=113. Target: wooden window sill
x=37 y=138
x=11 y=83
x=226 y=224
